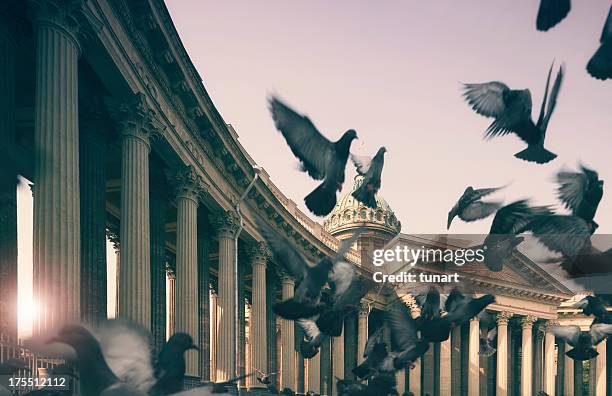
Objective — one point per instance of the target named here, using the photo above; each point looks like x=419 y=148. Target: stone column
x=214 y=326
x=57 y=219
x=138 y=125
x=456 y=376
x=204 y=236
x=549 y=359
x=362 y=330
x=569 y=377
x=259 y=255
x=415 y=377
x=158 y=205
x=8 y=186
x=473 y=365
x=400 y=379
x=314 y=373
x=189 y=188
x=227 y=225
x=502 y=353
x=271 y=290
x=113 y=237
x=241 y=329
x=538 y=357
x=600 y=370
x=527 y=355
x=445 y=368
x=337 y=360
x=171 y=273
x=288 y=338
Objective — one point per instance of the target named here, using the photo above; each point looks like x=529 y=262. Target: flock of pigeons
x=115 y=358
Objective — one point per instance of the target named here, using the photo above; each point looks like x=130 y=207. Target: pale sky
x=392 y=70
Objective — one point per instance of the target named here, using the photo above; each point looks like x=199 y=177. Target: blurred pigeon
x=321 y=158
x=581 y=193
x=375 y=351
x=429 y=303
x=96 y=376
x=509 y=221
x=461 y=308
x=551 y=12
x=469 y=207
x=588 y=262
x=592 y=305
x=583 y=342
x=511 y=110
x=371 y=170
x=488 y=333
x=170 y=365
x=12 y=366
x=345 y=301
x=564 y=234
x=313 y=337
x=600 y=65
x=264 y=378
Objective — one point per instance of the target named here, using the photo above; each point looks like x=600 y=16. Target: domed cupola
x=350 y=214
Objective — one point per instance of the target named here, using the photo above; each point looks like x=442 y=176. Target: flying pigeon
x=565 y=234
x=345 y=301
x=600 y=65
x=375 y=351
x=469 y=207
x=313 y=337
x=592 y=305
x=509 y=221
x=511 y=110
x=169 y=369
x=310 y=278
x=551 y=12
x=583 y=342
x=371 y=170
x=264 y=378
x=488 y=333
x=581 y=193
x=320 y=158
x=429 y=303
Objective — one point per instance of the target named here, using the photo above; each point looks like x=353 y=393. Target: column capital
x=547 y=326
x=189 y=184
x=61 y=15
x=135 y=118
x=503 y=317
x=259 y=253
x=364 y=308
x=226 y=224
x=527 y=322
x=286 y=279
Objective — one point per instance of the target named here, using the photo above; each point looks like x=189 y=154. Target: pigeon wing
x=513 y=217
x=551 y=12
x=341 y=276
x=362 y=163
x=599 y=332
x=478 y=210
x=372 y=341
x=402 y=326
x=552 y=102
x=568 y=333
x=305 y=141
x=482 y=192
x=309 y=327
x=127 y=350
x=286 y=255
x=572 y=187
x=582 y=304
x=487 y=99
x=606 y=34
x=516 y=119
x=567 y=235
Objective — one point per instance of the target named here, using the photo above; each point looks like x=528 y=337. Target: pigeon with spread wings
x=469 y=207
x=371 y=170
x=600 y=65
x=511 y=110
x=321 y=158
x=581 y=193
x=583 y=342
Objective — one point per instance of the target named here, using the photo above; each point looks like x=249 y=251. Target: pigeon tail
x=600 y=65
x=362 y=194
x=291 y=309
x=582 y=354
x=363 y=370
x=307 y=350
x=486 y=350
x=537 y=154
x=322 y=199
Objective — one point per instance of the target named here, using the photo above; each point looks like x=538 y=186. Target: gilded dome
x=349 y=213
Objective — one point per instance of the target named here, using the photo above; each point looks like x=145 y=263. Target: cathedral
x=106 y=116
